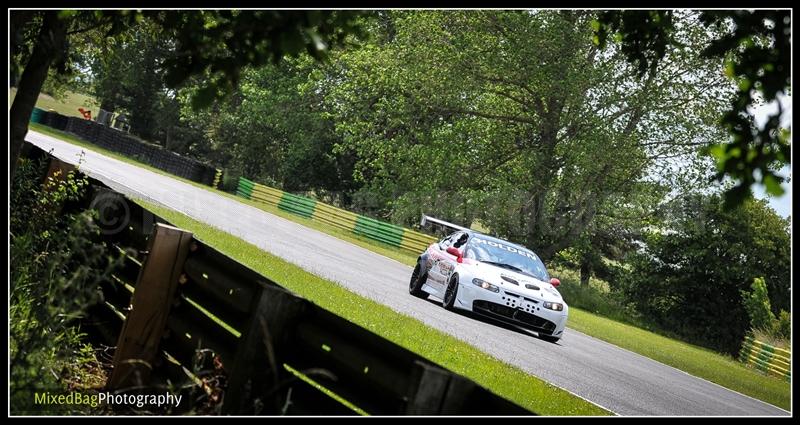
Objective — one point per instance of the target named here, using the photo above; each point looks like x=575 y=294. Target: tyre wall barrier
x=122 y=143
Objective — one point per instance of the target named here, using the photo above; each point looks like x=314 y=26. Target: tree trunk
x=107 y=105
x=586 y=272
x=49 y=46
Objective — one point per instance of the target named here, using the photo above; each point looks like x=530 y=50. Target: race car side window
x=457 y=240
x=444 y=243
x=460 y=240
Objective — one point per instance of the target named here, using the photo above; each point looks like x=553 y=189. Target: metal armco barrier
x=122 y=143
x=390 y=234
x=766 y=358
x=182 y=312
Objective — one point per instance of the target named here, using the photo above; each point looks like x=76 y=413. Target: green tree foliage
x=216 y=44
x=644 y=35
x=128 y=78
x=762 y=320
x=756 y=46
x=275 y=129
x=783 y=328
x=39 y=41
x=756 y=303
x=615 y=230
x=516 y=119
x=692 y=270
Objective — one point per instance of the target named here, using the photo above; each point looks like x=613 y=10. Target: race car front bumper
x=514 y=308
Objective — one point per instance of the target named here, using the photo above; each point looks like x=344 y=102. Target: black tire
x=450 y=293
x=415 y=285
x=550 y=338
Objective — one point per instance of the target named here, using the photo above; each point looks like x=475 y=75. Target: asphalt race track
x=616 y=379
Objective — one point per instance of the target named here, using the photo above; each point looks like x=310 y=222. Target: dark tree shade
x=689 y=279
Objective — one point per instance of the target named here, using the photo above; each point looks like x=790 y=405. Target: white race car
x=475 y=272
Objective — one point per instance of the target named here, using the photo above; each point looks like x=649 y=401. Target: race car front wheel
x=450 y=293
x=417 y=279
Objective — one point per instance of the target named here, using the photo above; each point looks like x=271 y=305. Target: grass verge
x=698 y=361
x=596 y=313
x=67 y=106
x=451 y=353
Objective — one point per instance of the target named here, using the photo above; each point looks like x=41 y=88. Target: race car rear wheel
x=415 y=285
x=450 y=293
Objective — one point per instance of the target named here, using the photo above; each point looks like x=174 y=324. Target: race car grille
x=500 y=309
x=514 y=315
x=534 y=321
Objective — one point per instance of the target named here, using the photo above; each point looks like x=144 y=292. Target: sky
x=782 y=205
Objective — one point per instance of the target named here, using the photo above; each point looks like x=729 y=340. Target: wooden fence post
x=258 y=361
x=138 y=342
x=427 y=391
x=436 y=391
x=58 y=171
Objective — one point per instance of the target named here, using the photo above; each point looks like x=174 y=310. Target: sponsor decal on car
x=445 y=267
x=506 y=247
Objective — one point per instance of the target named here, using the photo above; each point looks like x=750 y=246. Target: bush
x=762 y=320
x=56 y=267
x=230 y=181
x=757 y=304
x=595 y=300
x=783 y=328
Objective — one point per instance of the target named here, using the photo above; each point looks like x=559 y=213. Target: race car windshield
x=504 y=255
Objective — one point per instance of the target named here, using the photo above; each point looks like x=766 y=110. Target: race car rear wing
x=439 y=226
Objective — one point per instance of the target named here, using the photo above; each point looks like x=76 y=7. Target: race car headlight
x=553 y=306
x=485 y=285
